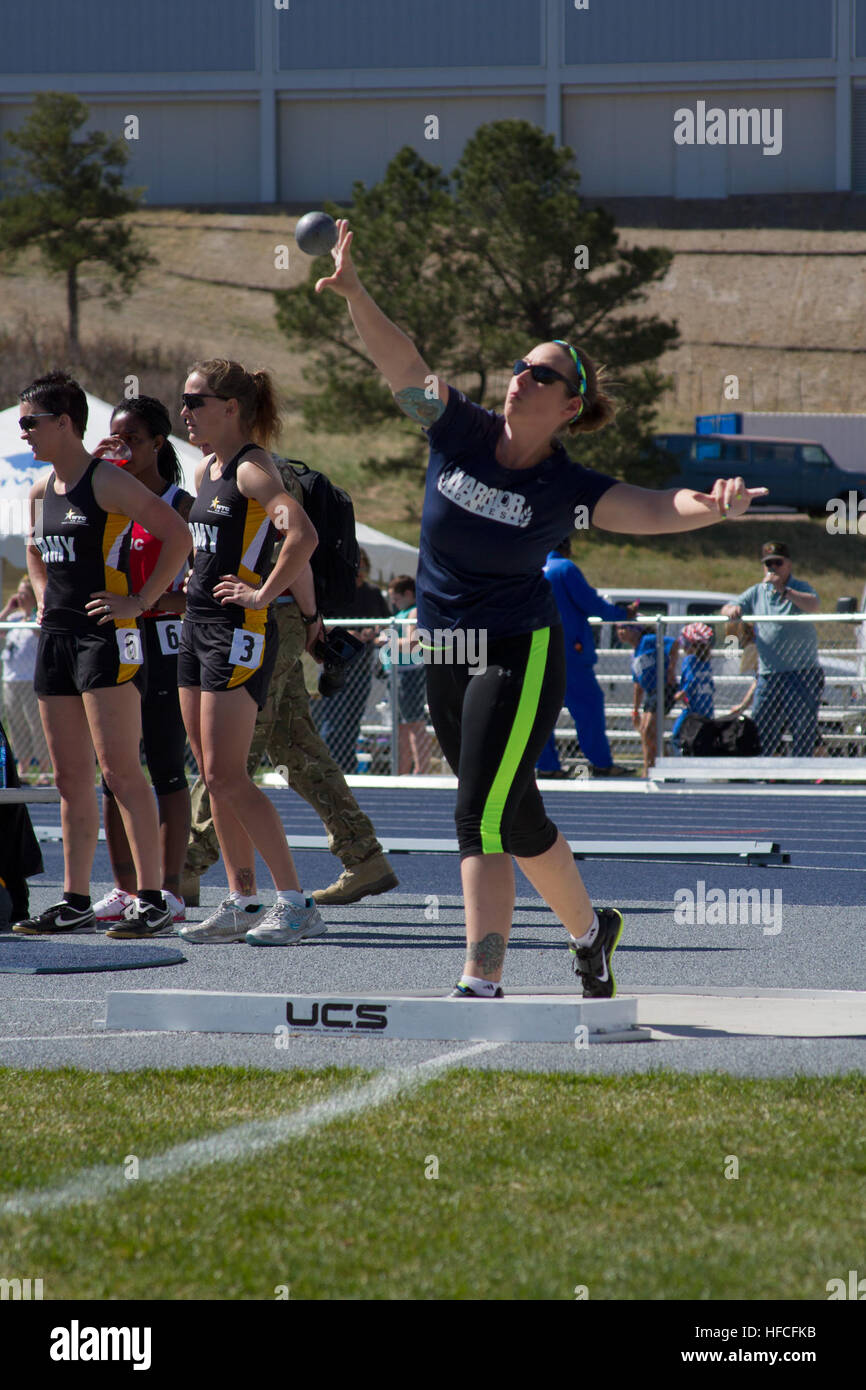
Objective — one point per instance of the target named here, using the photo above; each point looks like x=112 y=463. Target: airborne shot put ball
x=316 y=233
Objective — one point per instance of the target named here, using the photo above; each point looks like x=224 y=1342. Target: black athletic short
x=71 y=663
x=217 y=657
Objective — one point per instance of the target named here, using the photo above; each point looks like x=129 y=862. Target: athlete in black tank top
x=89 y=649
x=232 y=534
x=228 y=643
x=84 y=550
x=141 y=426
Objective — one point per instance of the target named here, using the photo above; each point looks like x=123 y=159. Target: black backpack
x=738 y=736
x=698 y=737
x=336 y=560
x=735 y=736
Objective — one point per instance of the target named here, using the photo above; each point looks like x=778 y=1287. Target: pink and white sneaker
x=112 y=907
x=176 y=906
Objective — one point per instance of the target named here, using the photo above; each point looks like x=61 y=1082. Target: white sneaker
x=230 y=922
x=112 y=907
x=177 y=906
x=286 y=923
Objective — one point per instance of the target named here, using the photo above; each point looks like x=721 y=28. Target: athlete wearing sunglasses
x=28 y=423
x=194 y=400
x=501 y=493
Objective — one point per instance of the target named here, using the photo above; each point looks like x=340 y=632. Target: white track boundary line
x=240 y=1142
x=81 y=1037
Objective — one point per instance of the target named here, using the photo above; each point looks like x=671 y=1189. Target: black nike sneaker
x=142 y=919
x=62 y=917
x=464 y=992
x=592 y=964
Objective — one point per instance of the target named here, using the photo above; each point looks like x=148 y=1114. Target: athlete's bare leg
x=245 y=819
x=71 y=753
x=114 y=717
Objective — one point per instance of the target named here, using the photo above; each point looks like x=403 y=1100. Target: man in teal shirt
x=790 y=679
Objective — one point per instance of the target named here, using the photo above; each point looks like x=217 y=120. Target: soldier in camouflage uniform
x=285 y=731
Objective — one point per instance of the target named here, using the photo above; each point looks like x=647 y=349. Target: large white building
x=291 y=101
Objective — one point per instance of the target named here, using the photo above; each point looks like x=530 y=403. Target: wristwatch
x=309 y=621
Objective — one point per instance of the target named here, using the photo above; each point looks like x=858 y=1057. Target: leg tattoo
x=246 y=882
x=489 y=952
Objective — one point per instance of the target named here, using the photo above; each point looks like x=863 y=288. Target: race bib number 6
x=129 y=645
x=168 y=633
x=247 y=648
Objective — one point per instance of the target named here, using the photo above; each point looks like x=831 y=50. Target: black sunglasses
x=544 y=375
x=193 y=400
x=29 y=422
x=774 y=564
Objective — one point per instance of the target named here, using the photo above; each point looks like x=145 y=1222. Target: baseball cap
x=775 y=550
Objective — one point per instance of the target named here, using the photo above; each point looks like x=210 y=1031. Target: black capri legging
x=162 y=728
x=492 y=727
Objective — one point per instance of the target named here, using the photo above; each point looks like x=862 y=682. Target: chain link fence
x=19 y=707
x=812 y=703
x=378 y=722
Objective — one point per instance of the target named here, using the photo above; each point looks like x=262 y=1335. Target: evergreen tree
x=66 y=197
x=476 y=271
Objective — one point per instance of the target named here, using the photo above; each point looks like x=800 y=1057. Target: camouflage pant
x=285 y=731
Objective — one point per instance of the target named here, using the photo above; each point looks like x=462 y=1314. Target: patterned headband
x=581 y=374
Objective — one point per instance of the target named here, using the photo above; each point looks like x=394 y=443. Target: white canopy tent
x=19 y=470
x=388 y=556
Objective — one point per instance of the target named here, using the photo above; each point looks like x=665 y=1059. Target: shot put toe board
x=524 y=1018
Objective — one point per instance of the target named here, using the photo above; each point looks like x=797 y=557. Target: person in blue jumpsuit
x=577 y=600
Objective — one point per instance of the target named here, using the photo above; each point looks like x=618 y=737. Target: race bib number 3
x=247 y=648
x=168 y=633
x=129 y=645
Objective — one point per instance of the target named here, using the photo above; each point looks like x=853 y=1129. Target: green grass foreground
x=545 y=1183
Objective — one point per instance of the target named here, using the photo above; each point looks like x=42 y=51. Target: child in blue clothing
x=643 y=668
x=697 y=689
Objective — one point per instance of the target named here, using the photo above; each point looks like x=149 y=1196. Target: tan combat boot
x=375 y=875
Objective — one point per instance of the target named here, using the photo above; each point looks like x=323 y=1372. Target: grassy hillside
x=783 y=310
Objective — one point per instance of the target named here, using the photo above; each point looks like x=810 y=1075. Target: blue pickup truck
x=798 y=472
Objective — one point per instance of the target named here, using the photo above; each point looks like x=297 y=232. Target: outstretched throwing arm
x=418 y=392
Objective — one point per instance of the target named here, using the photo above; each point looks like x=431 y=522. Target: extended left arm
x=644 y=512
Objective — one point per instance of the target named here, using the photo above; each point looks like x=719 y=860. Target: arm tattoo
x=414 y=402
x=489 y=952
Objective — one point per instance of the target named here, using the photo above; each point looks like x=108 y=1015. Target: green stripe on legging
x=494 y=806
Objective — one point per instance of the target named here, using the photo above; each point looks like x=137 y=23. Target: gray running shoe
x=229 y=923
x=286 y=924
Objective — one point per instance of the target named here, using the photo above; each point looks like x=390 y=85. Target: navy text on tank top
x=232 y=534
x=84 y=550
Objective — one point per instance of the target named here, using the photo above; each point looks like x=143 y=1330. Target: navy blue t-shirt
x=486 y=531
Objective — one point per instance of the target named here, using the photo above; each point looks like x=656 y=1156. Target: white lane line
x=240 y=1142
x=65 y=1037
